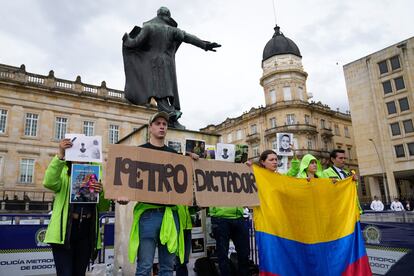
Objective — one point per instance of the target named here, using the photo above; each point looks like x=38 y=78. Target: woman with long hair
x=269 y=160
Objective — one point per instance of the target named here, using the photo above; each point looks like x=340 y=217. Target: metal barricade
x=107 y=230
x=23 y=251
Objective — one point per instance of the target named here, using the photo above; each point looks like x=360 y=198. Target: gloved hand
x=211 y=45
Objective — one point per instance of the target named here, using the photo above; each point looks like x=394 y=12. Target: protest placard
x=82 y=176
x=145 y=175
x=220 y=183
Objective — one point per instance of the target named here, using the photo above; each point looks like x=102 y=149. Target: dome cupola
x=280 y=45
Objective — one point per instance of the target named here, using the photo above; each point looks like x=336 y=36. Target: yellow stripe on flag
x=307 y=212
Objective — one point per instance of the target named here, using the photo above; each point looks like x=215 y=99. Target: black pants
x=73 y=260
x=236 y=230
x=181 y=269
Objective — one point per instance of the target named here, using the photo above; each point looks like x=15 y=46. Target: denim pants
x=235 y=229
x=149 y=238
x=181 y=268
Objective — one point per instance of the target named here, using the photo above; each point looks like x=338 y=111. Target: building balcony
x=326 y=132
x=20 y=76
x=294 y=128
x=253 y=138
x=320 y=154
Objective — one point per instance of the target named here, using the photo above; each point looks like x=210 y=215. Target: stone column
x=374 y=186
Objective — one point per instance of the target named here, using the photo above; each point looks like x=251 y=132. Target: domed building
x=316 y=128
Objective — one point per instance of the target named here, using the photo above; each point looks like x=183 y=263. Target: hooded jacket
x=304 y=164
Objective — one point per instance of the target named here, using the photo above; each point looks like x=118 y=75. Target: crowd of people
x=75 y=239
x=396 y=205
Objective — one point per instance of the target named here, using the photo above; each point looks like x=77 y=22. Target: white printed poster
x=284 y=144
x=84 y=148
x=225 y=152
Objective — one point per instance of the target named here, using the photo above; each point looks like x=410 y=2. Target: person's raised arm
x=52 y=180
x=294 y=164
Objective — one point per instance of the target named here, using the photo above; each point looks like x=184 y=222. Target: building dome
x=280 y=45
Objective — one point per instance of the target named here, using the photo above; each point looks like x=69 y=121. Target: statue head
x=163 y=12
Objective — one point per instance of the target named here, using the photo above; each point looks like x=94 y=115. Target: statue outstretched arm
x=206 y=45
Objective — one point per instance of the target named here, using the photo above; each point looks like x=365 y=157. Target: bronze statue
x=149 y=62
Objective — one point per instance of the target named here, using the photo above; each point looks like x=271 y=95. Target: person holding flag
x=297 y=231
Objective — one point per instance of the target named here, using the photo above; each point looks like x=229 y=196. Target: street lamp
x=383 y=171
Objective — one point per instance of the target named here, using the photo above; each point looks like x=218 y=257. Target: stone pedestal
x=124 y=213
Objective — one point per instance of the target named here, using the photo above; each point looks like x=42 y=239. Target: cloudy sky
x=74 y=37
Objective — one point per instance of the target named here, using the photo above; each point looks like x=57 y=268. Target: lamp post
x=384 y=179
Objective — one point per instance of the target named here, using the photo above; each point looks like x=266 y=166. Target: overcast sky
x=74 y=37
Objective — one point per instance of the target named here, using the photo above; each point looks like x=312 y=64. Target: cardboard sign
x=220 y=183
x=146 y=175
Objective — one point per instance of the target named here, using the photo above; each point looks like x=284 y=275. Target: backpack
x=205 y=266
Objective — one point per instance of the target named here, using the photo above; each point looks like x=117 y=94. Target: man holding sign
x=156 y=224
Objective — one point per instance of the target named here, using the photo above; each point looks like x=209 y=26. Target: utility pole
x=384 y=179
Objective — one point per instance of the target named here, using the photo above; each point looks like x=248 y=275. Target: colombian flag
x=308 y=228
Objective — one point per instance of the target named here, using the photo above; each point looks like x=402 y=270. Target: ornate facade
x=35 y=113
x=317 y=129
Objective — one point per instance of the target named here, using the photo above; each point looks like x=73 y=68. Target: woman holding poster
x=73 y=231
x=269 y=160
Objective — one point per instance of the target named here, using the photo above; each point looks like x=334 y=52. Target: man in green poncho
x=156 y=225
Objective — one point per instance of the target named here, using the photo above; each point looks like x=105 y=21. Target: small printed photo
x=176 y=145
x=225 y=152
x=210 y=152
x=241 y=153
x=196 y=219
x=282 y=164
x=195 y=146
x=197 y=245
x=81 y=190
x=284 y=141
x=209 y=232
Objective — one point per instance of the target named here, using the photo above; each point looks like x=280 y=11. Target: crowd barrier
x=23 y=252
x=389 y=236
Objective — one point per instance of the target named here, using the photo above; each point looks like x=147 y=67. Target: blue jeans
x=149 y=238
x=236 y=230
x=181 y=269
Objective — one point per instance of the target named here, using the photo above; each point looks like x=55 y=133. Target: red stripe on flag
x=263 y=273
x=359 y=268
